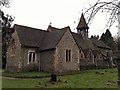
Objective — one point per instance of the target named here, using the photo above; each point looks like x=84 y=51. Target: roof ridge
x=53 y=27
x=66 y=27
x=59 y=28
x=28 y=27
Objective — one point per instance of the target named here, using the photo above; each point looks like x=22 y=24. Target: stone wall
x=25 y=65
x=17 y=56
x=66 y=43
x=47 y=61
x=13 y=54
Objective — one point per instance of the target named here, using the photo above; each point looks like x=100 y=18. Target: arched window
x=81 y=54
x=100 y=56
x=91 y=57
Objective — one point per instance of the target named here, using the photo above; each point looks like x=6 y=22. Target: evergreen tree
x=118 y=43
x=6 y=36
x=108 y=39
x=5 y=23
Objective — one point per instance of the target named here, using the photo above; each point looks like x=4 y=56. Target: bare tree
x=109 y=7
x=4 y=3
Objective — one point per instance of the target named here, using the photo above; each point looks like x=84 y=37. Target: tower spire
x=82 y=27
x=82 y=23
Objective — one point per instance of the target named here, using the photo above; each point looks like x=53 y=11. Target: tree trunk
x=118 y=61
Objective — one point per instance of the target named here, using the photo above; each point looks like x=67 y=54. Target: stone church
x=57 y=50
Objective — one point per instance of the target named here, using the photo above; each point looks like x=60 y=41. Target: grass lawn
x=105 y=78
x=26 y=74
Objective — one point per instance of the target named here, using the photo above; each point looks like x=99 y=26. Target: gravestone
x=53 y=78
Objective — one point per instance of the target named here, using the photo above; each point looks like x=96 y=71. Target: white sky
x=61 y=13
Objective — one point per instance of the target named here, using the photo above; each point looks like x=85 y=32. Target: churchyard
x=102 y=78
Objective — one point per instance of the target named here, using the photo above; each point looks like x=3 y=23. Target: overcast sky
x=61 y=13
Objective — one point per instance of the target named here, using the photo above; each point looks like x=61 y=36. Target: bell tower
x=82 y=27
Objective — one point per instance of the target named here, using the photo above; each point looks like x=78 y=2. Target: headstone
x=53 y=78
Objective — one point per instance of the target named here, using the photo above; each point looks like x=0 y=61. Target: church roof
x=44 y=40
x=28 y=36
x=83 y=43
x=53 y=37
x=82 y=23
x=99 y=43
